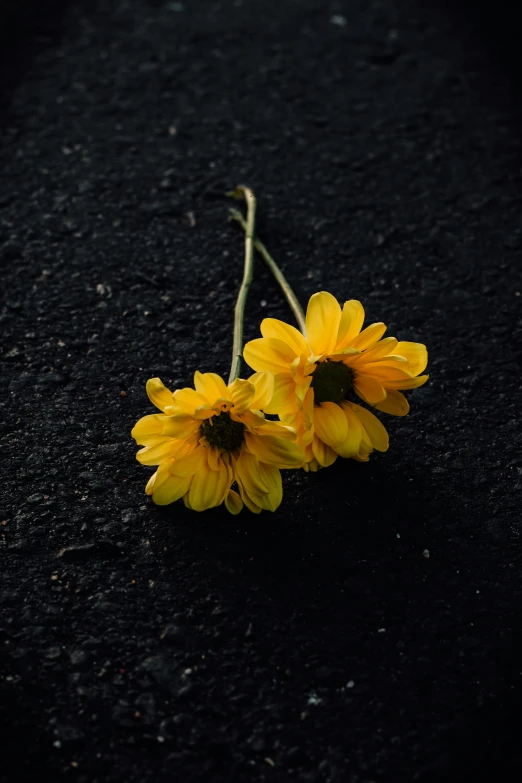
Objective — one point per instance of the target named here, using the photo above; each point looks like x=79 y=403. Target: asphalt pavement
x=369 y=630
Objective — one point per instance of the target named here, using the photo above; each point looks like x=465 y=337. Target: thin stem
x=291 y=298
x=239 y=312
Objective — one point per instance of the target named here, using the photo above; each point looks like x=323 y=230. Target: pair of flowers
x=213 y=444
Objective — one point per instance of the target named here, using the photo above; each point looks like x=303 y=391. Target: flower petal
x=245 y=497
x=247 y=472
x=259 y=483
x=190 y=463
x=369 y=336
x=154 y=455
x=263 y=383
x=323 y=316
x=181 y=426
x=374 y=428
x=208 y=487
x=158 y=394
x=267 y=354
x=251 y=419
x=308 y=410
x=352 y=319
x=352 y=444
x=158 y=478
x=147 y=428
x=185 y=401
x=284 y=397
x=277 y=429
x=387 y=371
x=330 y=424
x=170 y=490
x=233 y=502
x=324 y=455
x=271 y=327
x=213 y=457
x=407 y=383
x=395 y=403
x=210 y=385
x=416 y=354
x=204 y=412
x=369 y=389
x=384 y=347
x=249 y=503
x=302 y=370
x=272 y=478
x=241 y=393
x=391 y=358
x=274 y=450
x=150 y=483
x=344 y=353
x=365 y=445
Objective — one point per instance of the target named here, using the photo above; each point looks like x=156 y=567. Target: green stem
x=291 y=298
x=239 y=312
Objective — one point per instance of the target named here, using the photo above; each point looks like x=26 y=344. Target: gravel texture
x=370 y=629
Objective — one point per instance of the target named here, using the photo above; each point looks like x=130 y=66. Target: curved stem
x=239 y=311
x=291 y=298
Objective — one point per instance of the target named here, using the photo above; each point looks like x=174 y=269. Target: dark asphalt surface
x=370 y=629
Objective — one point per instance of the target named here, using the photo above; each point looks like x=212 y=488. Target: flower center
x=223 y=432
x=331 y=381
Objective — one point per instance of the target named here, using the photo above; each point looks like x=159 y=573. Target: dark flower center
x=223 y=432
x=331 y=381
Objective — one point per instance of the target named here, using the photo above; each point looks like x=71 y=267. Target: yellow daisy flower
x=208 y=439
x=317 y=376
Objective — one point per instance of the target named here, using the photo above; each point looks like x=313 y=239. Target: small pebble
x=32 y=499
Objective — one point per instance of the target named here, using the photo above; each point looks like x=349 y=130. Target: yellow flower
x=208 y=439
x=316 y=376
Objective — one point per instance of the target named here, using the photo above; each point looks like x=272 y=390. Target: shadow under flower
x=364 y=578
x=332 y=525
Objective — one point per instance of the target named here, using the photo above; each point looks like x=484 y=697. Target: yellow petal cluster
x=317 y=376
x=212 y=444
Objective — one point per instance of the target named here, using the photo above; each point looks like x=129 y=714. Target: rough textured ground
x=370 y=629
